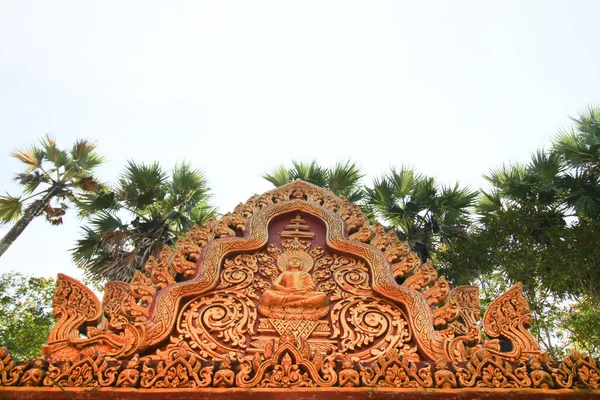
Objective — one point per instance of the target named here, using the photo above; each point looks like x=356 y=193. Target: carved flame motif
x=313 y=302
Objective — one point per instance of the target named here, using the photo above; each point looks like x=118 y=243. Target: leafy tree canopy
x=538 y=224
x=419 y=209
x=342 y=179
x=147 y=209
x=52 y=178
x=25 y=313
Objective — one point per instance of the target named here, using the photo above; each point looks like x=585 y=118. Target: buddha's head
x=295 y=260
x=295 y=264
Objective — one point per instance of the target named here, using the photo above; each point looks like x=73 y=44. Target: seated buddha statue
x=293 y=294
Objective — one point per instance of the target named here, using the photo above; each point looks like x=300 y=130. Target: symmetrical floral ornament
x=392 y=370
x=295 y=288
x=289 y=364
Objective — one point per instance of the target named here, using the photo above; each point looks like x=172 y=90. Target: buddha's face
x=294 y=264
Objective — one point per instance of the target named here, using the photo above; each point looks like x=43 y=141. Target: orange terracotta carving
x=507 y=318
x=294 y=288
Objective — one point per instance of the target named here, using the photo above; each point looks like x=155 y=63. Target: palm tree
x=343 y=178
x=420 y=210
x=53 y=177
x=144 y=212
x=579 y=148
x=533 y=186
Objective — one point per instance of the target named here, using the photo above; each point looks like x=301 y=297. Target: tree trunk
x=32 y=211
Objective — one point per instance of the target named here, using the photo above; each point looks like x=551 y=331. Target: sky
x=236 y=89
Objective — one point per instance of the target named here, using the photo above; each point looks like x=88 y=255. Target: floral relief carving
x=393 y=370
x=576 y=371
x=486 y=369
x=10 y=373
x=180 y=368
x=326 y=299
x=287 y=365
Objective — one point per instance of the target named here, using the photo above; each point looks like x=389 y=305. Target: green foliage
x=146 y=210
x=53 y=178
x=62 y=174
x=11 y=208
x=579 y=148
x=583 y=323
x=539 y=225
x=421 y=211
x=343 y=178
x=25 y=313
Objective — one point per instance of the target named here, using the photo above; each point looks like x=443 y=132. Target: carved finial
x=298 y=229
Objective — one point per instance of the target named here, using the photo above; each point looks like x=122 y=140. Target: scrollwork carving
x=287 y=366
x=87 y=372
x=576 y=371
x=369 y=328
x=392 y=370
x=424 y=277
x=233 y=305
x=486 y=369
x=218 y=323
x=10 y=373
x=180 y=368
x=467 y=298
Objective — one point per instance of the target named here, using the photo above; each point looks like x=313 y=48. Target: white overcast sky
x=452 y=88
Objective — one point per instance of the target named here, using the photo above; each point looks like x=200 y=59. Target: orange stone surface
x=294 y=294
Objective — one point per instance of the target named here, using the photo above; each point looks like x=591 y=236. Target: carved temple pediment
x=294 y=288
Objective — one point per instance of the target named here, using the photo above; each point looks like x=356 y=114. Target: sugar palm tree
x=531 y=186
x=343 y=178
x=52 y=179
x=145 y=211
x=420 y=210
x=579 y=148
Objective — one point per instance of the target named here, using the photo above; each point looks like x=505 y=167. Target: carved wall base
x=291 y=394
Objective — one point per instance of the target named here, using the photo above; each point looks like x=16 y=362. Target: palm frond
x=54 y=214
x=87 y=184
x=142 y=185
x=382 y=196
x=425 y=194
x=187 y=188
x=184 y=178
x=580 y=146
x=33 y=157
x=52 y=153
x=489 y=203
x=202 y=214
x=456 y=202
x=102 y=200
x=545 y=166
x=83 y=155
x=30 y=181
x=312 y=173
x=11 y=208
x=404 y=181
x=104 y=221
x=279 y=176
x=583 y=192
x=344 y=178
